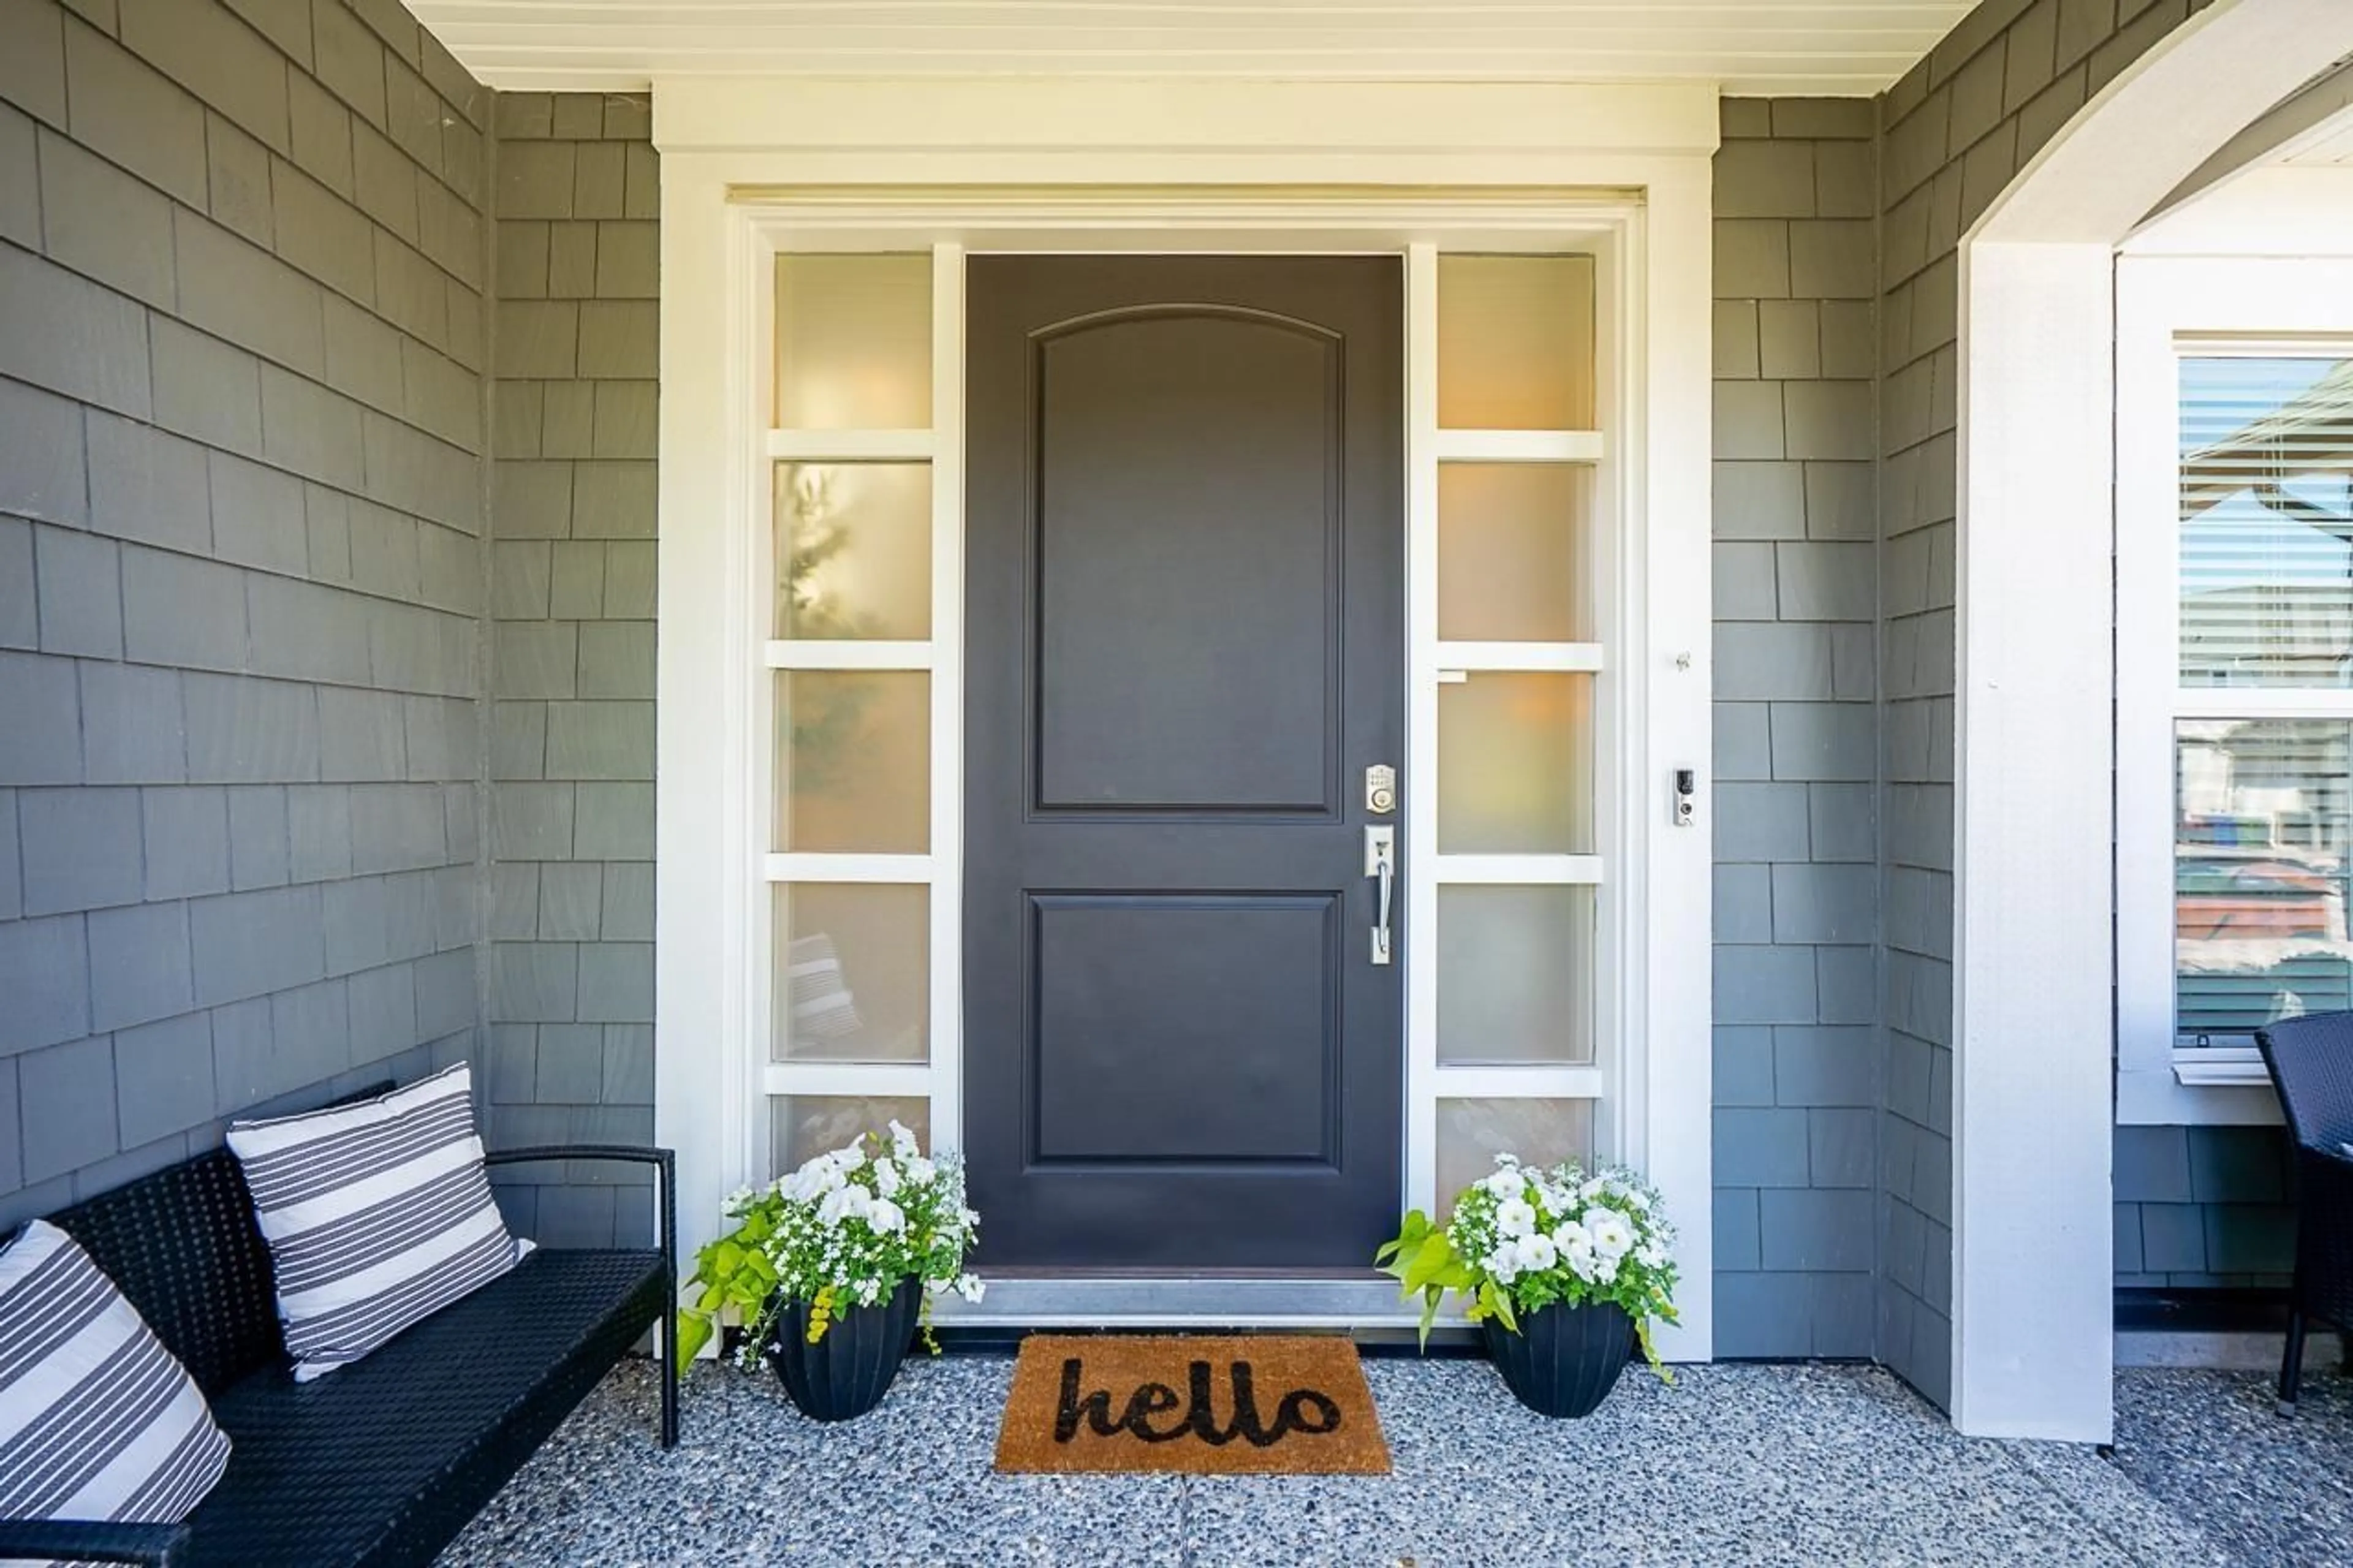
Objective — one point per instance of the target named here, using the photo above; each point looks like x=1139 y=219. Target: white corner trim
x=2032 y=1258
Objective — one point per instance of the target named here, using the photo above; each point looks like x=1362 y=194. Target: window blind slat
x=2266 y=538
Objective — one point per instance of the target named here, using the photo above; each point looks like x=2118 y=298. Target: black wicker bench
x=386 y=1460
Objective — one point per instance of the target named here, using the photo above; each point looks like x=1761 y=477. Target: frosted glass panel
x=1515 y=975
x=854 y=342
x=854 y=551
x=800 y=1125
x=854 y=761
x=1515 y=343
x=1471 y=1132
x=1516 y=763
x=853 y=972
x=1515 y=562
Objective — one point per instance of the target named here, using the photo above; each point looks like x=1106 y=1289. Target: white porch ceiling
x=1839 y=47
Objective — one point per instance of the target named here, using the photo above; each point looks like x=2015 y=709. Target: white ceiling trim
x=1838 y=46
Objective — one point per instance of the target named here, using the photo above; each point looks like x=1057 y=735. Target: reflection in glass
x=853 y=762
x=1471 y=1132
x=853 y=972
x=1513 y=561
x=802 y=1125
x=854 y=342
x=1516 y=763
x=1515 y=343
x=854 y=551
x=2266 y=493
x=2264 y=819
x=1514 y=975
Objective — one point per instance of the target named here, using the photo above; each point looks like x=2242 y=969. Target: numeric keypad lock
x=1380 y=789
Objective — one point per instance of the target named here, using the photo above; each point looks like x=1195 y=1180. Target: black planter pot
x=1565 y=1359
x=846 y=1374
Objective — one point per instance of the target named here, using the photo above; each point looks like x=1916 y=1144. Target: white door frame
x=1268 y=167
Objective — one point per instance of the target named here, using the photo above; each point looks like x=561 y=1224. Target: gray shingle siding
x=570 y=1050
x=1954 y=132
x=241 y=571
x=1795 y=750
x=326 y=713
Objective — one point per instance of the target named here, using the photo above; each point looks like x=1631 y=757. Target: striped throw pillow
x=377 y=1215
x=98 y=1420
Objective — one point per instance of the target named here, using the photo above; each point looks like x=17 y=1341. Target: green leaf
x=694 y=1333
x=1430 y=1261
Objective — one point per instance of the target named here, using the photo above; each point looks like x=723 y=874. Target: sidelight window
x=1510 y=1043
x=862 y=699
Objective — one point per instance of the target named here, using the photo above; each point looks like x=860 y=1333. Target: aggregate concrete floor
x=1736 y=1464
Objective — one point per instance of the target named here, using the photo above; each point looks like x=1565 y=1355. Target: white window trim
x=2167 y=305
x=1278 y=166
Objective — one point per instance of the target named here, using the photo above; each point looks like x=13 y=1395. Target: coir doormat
x=1203 y=1405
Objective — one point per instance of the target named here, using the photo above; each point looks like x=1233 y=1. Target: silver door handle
x=1380 y=861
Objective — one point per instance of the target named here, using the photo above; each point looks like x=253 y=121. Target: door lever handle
x=1380 y=862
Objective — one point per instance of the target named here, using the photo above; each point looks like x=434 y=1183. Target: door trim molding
x=723 y=211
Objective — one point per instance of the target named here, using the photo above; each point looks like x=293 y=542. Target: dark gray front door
x=1185 y=645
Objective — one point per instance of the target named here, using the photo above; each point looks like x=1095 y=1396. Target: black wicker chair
x=2311 y=1062
x=386 y=1460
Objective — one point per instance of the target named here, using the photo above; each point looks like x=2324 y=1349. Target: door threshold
x=1223 y=1301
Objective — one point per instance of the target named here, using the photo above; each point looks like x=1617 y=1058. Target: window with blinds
x=2263 y=809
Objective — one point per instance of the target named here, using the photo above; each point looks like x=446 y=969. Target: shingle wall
x=570 y=1052
x=1796 y=729
x=241 y=568
x=1956 y=129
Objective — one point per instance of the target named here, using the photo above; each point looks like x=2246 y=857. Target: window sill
x=2220 y=1066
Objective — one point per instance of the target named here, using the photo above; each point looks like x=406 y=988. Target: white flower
x=886 y=1177
x=887 y=1218
x=844 y=1203
x=1612 y=1236
x=1592 y=1189
x=919 y=1170
x=903 y=1141
x=812 y=1181
x=1515 y=1217
x=1503 y=1263
x=969 y=1287
x=1507 y=1183
x=1539 y=1251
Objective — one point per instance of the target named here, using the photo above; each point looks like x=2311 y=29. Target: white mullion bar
x=893 y=1080
x=1515 y=446
x=1575 y=656
x=945 y=1081
x=852 y=445
x=805 y=866
x=810 y=652
x=2262 y=703
x=1541 y=871
x=1532 y=1082
x=1420 y=791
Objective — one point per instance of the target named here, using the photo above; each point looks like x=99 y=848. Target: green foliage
x=1525 y=1238
x=841 y=1232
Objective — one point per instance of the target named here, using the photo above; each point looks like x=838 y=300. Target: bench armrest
x=93 y=1541
x=664 y=1161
